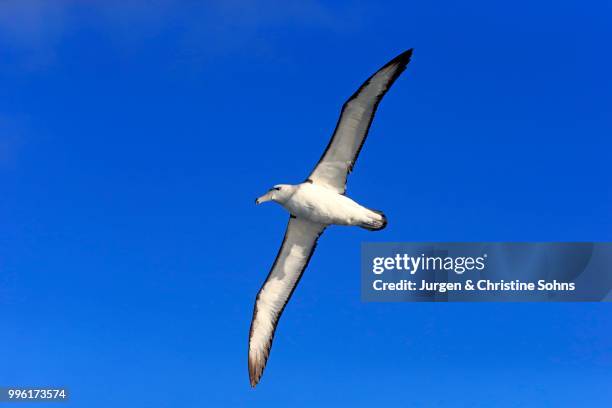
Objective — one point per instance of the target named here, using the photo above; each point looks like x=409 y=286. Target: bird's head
x=279 y=193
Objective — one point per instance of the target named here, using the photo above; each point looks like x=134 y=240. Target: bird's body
x=322 y=205
x=316 y=204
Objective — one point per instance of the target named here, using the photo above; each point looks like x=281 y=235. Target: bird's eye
x=277 y=188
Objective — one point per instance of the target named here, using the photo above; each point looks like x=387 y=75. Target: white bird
x=316 y=204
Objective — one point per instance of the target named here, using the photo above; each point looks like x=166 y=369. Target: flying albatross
x=315 y=204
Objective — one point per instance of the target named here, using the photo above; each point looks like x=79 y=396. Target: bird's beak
x=264 y=198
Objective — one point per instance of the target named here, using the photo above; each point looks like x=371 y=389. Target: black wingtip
x=256 y=368
x=407 y=54
x=403 y=58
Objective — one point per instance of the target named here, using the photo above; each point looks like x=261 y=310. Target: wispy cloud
x=234 y=25
x=31 y=29
x=11 y=138
x=35 y=28
x=30 y=22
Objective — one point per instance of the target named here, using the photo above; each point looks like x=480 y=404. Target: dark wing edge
x=284 y=276
x=401 y=61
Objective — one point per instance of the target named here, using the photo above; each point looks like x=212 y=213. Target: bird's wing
x=295 y=252
x=352 y=127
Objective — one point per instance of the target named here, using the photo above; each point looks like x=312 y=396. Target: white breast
x=325 y=206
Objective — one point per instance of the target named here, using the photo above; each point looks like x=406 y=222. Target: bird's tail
x=375 y=222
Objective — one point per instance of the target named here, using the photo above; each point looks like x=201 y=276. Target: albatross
x=315 y=204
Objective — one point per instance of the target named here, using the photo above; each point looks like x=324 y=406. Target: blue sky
x=135 y=137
